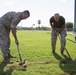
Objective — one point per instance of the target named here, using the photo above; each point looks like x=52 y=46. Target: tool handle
x=19 y=53
x=71 y=40
x=64 y=47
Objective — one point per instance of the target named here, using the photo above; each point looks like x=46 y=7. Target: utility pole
x=75 y=16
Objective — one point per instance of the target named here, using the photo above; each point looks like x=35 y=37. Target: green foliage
x=39 y=22
x=36 y=28
x=69 y=26
x=35 y=47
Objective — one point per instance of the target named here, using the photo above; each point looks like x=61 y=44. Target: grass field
x=35 y=47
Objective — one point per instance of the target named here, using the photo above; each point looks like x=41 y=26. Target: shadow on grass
x=66 y=64
x=7 y=70
x=2 y=69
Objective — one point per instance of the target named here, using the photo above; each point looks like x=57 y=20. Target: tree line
x=69 y=27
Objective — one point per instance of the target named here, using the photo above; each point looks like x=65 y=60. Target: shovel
x=21 y=62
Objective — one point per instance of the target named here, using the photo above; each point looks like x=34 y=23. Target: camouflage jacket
x=10 y=19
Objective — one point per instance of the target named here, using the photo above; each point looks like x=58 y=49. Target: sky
x=39 y=10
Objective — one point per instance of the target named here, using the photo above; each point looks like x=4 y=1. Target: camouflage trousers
x=54 y=38
x=4 y=40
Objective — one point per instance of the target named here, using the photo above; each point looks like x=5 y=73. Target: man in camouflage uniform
x=8 y=22
x=57 y=23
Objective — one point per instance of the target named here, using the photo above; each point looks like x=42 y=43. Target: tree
x=69 y=26
x=39 y=22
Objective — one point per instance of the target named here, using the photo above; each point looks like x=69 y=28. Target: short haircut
x=26 y=11
x=56 y=14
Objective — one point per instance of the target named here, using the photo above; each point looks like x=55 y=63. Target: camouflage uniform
x=54 y=38
x=7 y=21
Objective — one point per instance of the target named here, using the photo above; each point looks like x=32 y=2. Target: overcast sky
x=39 y=10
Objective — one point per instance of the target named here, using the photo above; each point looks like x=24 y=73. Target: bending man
x=8 y=22
x=57 y=23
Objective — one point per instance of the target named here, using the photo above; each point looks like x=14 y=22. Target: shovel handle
x=64 y=47
x=19 y=53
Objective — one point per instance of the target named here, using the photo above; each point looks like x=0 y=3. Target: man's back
x=10 y=18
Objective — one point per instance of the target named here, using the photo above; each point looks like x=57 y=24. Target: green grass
x=35 y=47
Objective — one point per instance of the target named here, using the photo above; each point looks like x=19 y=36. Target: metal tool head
x=21 y=62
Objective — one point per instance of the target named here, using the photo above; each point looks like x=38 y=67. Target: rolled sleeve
x=14 y=22
x=13 y=26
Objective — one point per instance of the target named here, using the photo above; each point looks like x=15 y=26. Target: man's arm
x=14 y=35
x=52 y=25
x=62 y=28
x=63 y=24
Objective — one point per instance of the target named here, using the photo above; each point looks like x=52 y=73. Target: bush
x=69 y=26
